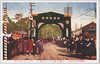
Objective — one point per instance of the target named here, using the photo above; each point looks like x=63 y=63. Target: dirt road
x=51 y=52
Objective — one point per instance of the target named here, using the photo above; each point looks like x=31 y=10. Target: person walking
x=24 y=45
x=72 y=45
x=17 y=45
x=68 y=44
x=91 y=49
x=80 y=44
x=83 y=48
x=30 y=45
x=39 y=46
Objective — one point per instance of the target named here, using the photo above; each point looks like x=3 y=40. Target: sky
x=78 y=8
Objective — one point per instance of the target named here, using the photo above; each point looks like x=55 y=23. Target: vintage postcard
x=49 y=31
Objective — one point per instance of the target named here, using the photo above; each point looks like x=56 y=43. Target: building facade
x=89 y=30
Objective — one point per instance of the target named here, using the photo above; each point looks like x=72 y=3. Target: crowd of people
x=79 y=45
x=84 y=46
x=28 y=44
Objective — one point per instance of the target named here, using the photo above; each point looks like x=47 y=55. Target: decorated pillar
x=5 y=35
x=67 y=26
x=34 y=27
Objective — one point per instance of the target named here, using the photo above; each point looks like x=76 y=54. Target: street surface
x=51 y=52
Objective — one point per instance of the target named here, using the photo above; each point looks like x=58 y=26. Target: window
x=50 y=18
x=46 y=17
x=42 y=17
x=58 y=18
x=86 y=32
x=54 y=18
x=92 y=32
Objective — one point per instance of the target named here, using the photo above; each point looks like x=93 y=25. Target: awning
x=16 y=36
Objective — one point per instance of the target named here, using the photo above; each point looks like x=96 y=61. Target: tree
x=20 y=25
x=18 y=16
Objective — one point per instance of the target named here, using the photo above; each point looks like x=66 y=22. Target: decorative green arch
x=53 y=18
x=57 y=31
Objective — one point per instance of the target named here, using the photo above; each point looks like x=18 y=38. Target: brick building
x=89 y=30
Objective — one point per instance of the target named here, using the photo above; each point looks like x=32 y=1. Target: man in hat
x=68 y=44
x=80 y=44
x=91 y=50
x=83 y=48
x=72 y=45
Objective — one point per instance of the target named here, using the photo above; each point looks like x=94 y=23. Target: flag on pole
x=30 y=16
x=5 y=11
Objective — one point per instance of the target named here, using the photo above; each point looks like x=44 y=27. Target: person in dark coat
x=91 y=50
x=83 y=48
x=80 y=45
x=39 y=46
x=72 y=45
x=68 y=44
x=24 y=45
x=17 y=45
x=86 y=43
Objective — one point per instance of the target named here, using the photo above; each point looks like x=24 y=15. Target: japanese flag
x=30 y=17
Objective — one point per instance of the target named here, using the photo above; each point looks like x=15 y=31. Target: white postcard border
x=65 y=61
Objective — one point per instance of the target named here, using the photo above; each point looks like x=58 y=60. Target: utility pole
x=30 y=24
x=31 y=4
x=30 y=32
x=95 y=10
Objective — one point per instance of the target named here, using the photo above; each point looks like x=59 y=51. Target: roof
x=51 y=13
x=34 y=14
x=21 y=32
x=92 y=23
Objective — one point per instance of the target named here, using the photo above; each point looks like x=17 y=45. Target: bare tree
x=18 y=16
